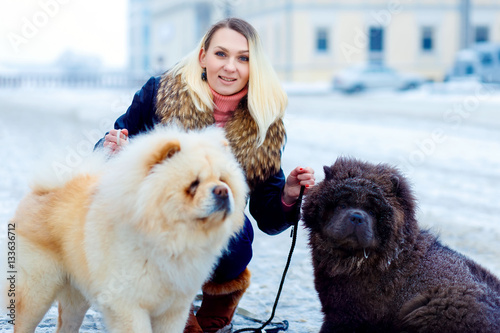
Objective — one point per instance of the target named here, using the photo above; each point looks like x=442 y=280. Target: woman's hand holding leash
x=298 y=177
x=116 y=139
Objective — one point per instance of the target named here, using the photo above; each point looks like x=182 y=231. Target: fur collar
x=174 y=105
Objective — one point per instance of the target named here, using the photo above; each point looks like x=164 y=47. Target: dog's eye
x=193 y=187
x=372 y=213
x=342 y=206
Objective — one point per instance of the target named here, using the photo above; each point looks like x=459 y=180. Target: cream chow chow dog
x=136 y=239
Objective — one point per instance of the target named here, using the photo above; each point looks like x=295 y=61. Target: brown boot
x=220 y=301
x=192 y=325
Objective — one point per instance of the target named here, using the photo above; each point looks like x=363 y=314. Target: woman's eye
x=244 y=58
x=220 y=54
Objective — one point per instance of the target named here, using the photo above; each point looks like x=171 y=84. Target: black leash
x=284 y=325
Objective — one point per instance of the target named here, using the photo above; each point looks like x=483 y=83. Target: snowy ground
x=447 y=140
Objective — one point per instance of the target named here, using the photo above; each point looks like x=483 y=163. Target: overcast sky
x=38 y=31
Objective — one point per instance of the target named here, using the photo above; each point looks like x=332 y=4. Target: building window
x=376 y=39
x=481 y=34
x=322 y=40
x=469 y=70
x=486 y=59
x=427 y=39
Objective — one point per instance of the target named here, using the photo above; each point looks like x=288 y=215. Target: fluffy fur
x=377 y=271
x=137 y=239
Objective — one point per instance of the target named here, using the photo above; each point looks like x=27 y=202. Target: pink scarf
x=225 y=105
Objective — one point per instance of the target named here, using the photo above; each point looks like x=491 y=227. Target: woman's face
x=226 y=61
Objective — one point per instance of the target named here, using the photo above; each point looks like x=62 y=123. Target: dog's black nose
x=220 y=191
x=356 y=218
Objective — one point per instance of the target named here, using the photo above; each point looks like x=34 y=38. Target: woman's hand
x=298 y=177
x=116 y=139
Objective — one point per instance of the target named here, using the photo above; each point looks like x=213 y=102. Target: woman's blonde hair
x=266 y=98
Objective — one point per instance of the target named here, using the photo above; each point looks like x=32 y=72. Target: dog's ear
x=328 y=172
x=395 y=182
x=162 y=152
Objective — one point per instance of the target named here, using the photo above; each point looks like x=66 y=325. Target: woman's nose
x=230 y=66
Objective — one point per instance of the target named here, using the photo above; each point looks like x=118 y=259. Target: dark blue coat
x=265 y=199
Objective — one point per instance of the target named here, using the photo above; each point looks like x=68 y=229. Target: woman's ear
x=201 y=57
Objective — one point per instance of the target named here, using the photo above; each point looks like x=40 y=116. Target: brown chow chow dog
x=377 y=271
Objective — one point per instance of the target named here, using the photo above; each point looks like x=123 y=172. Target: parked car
x=369 y=76
x=480 y=63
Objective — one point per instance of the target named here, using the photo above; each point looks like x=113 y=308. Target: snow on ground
x=447 y=140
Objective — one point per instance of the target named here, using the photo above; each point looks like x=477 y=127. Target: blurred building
x=310 y=40
x=162 y=32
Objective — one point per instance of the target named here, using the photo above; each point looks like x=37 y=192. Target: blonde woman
x=226 y=81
